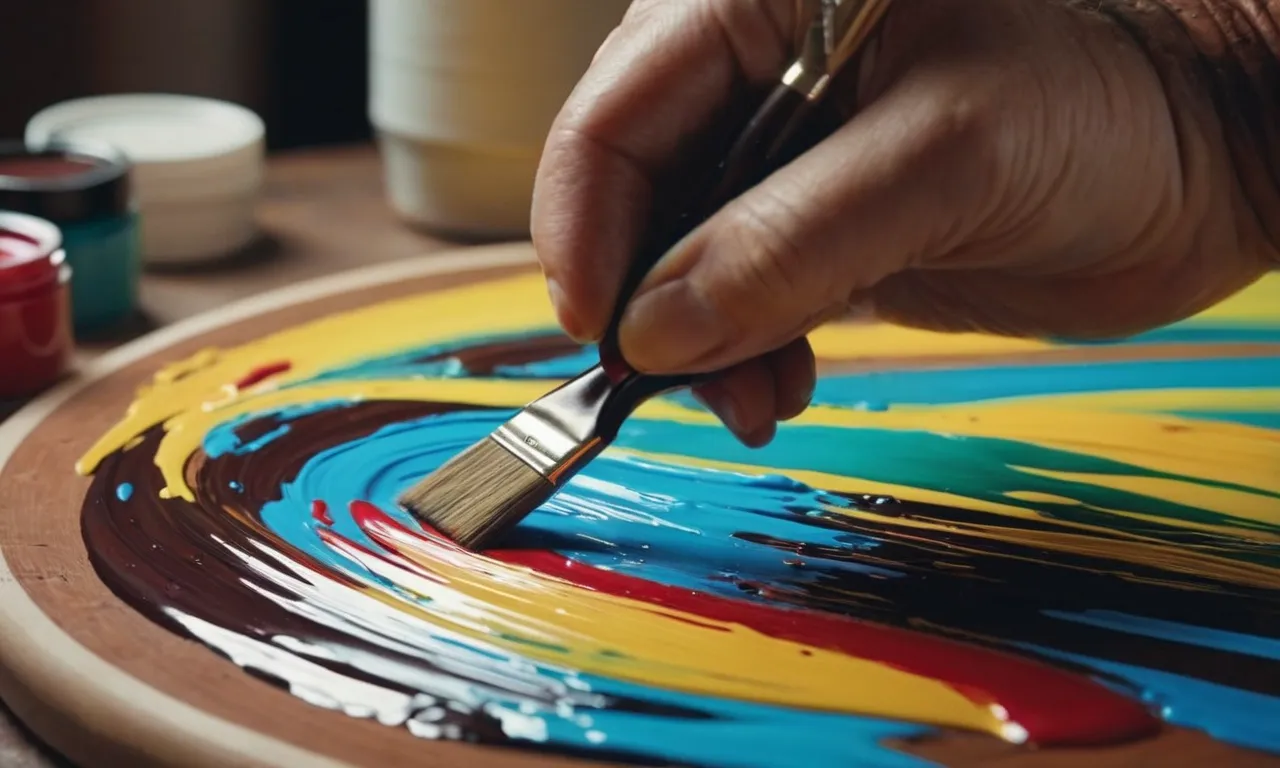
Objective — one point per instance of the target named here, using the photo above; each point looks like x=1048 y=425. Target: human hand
x=1012 y=167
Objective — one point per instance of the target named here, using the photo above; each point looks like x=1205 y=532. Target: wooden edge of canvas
x=80 y=703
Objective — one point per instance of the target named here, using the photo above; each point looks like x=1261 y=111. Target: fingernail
x=671 y=328
x=568 y=321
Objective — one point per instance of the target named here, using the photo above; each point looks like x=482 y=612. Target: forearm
x=1223 y=57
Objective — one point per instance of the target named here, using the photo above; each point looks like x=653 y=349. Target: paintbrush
x=491 y=486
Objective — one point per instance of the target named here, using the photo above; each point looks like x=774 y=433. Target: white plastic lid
x=182 y=147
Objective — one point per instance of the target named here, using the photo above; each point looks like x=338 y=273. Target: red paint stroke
x=320 y=512
x=263 y=373
x=1055 y=706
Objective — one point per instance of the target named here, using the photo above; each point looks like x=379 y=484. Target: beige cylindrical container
x=462 y=94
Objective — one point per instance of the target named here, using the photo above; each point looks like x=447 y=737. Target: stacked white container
x=462 y=94
x=198 y=166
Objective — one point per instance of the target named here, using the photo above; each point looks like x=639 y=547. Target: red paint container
x=35 y=305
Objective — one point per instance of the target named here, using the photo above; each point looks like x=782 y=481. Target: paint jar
x=85 y=191
x=197 y=167
x=462 y=94
x=35 y=305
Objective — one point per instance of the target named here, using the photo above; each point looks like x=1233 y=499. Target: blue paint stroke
x=1196 y=331
x=224 y=438
x=1177 y=632
x=968 y=385
x=626 y=514
x=124 y=491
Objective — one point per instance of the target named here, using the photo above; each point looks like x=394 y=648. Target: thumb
x=890 y=188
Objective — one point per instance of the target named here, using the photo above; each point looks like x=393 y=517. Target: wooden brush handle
x=760 y=148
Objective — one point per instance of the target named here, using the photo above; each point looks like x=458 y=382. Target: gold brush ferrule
x=808 y=74
x=838 y=29
x=806 y=81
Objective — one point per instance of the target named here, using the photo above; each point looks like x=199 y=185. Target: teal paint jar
x=86 y=191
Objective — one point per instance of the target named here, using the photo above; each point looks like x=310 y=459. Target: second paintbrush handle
x=749 y=161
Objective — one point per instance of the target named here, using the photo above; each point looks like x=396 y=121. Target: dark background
x=301 y=64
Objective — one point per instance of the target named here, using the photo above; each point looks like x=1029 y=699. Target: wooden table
x=322 y=212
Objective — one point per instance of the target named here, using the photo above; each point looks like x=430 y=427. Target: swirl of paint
x=1043 y=552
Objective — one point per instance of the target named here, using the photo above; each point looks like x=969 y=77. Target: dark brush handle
x=759 y=148
x=628 y=394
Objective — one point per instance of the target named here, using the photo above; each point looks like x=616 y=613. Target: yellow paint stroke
x=335 y=340
x=1221 y=451
x=557 y=622
x=1037 y=497
x=192 y=396
x=1255 y=305
x=1243 y=504
x=846 y=341
x=469 y=311
x=850 y=341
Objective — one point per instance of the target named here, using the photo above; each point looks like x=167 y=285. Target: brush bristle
x=479 y=494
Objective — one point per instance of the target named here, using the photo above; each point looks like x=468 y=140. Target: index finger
x=661 y=78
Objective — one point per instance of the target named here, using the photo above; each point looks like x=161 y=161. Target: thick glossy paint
x=1053 y=550
x=1081 y=711
x=262 y=373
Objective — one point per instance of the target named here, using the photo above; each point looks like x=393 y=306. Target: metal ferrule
x=537 y=442
x=563 y=427
x=807 y=81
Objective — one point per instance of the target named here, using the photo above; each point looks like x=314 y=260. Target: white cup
x=462 y=94
x=197 y=166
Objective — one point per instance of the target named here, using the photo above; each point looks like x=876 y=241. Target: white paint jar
x=198 y=166
x=462 y=94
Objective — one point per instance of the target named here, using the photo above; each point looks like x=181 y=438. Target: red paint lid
x=31 y=255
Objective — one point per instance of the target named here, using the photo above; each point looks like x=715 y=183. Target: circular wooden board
x=107 y=687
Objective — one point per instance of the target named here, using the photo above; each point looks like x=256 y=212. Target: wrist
x=1221 y=58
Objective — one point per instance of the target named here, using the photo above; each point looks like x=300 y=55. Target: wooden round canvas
x=968 y=551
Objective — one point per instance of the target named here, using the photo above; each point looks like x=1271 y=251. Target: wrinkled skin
x=1018 y=167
